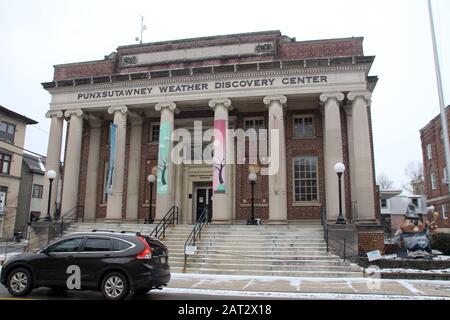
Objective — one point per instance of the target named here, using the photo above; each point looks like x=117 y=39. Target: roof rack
x=123 y=232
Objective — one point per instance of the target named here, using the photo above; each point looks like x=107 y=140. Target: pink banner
x=219 y=156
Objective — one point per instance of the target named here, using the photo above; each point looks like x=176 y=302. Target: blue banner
x=112 y=156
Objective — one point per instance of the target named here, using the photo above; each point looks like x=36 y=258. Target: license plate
x=163 y=260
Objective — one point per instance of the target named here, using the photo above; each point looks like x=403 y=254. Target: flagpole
x=444 y=123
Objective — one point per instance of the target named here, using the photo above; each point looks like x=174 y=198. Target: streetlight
x=51 y=175
x=151 y=179
x=339 y=168
x=252 y=177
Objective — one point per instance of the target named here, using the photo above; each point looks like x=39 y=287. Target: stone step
x=317 y=257
x=254 y=261
x=250 y=248
x=303 y=274
x=282 y=253
x=262 y=267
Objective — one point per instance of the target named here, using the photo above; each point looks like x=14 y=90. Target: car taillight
x=147 y=252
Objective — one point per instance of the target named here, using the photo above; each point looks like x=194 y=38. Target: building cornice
x=209 y=77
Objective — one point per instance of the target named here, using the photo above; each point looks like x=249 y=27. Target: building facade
x=31 y=191
x=12 y=138
x=435 y=179
x=316 y=96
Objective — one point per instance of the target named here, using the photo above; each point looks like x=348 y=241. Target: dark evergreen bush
x=441 y=242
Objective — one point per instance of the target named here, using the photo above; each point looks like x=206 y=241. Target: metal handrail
x=196 y=232
x=344 y=246
x=170 y=218
x=71 y=215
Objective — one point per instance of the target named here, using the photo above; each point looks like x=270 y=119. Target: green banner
x=164 y=158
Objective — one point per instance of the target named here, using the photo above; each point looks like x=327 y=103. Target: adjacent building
x=12 y=138
x=436 y=181
x=123 y=113
x=31 y=201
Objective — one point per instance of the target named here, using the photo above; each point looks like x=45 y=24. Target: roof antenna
x=143 y=28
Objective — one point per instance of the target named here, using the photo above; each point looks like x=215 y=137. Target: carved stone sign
x=200 y=53
x=213 y=86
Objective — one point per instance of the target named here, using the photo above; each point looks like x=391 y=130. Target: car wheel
x=115 y=286
x=19 y=282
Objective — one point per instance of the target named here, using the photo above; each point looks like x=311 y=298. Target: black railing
x=170 y=218
x=325 y=225
x=196 y=232
x=341 y=248
x=71 y=216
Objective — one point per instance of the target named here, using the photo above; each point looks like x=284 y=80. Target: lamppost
x=339 y=168
x=252 y=177
x=51 y=175
x=151 y=179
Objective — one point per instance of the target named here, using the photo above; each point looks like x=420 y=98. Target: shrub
x=441 y=242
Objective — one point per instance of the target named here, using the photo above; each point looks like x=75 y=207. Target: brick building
x=435 y=180
x=317 y=94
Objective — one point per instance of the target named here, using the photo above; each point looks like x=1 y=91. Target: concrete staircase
x=267 y=250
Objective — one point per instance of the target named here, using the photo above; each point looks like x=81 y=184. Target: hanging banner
x=112 y=157
x=219 y=155
x=163 y=158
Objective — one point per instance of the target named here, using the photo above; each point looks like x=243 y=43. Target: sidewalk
x=309 y=288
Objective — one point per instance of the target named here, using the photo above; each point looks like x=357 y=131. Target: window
x=71 y=245
x=429 y=153
x=433 y=181
x=444 y=212
x=97 y=245
x=37 y=191
x=5 y=163
x=105 y=183
x=384 y=204
x=305 y=179
x=254 y=123
x=304 y=127
x=7 y=132
x=154 y=132
x=416 y=202
x=119 y=245
x=3 y=199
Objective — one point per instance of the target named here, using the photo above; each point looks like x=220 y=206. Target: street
x=47 y=294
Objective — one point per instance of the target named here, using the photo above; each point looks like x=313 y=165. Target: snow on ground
x=292 y=280
x=438 y=257
x=299 y=295
x=399 y=270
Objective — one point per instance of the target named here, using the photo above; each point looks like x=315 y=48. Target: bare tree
x=384 y=182
x=414 y=172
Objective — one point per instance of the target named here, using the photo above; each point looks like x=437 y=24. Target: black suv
x=114 y=263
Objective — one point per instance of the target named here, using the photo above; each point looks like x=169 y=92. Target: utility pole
x=143 y=28
x=444 y=123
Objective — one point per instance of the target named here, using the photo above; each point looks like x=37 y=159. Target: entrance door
x=203 y=200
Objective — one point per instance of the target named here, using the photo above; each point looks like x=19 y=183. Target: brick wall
x=370 y=241
x=431 y=134
x=284 y=51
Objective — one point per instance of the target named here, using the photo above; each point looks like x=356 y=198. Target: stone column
x=114 y=204
x=90 y=199
x=221 y=185
x=333 y=152
x=53 y=159
x=134 y=168
x=277 y=182
x=164 y=183
x=348 y=112
x=73 y=157
x=362 y=157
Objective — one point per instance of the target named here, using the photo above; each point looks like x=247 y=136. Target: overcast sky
x=35 y=35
